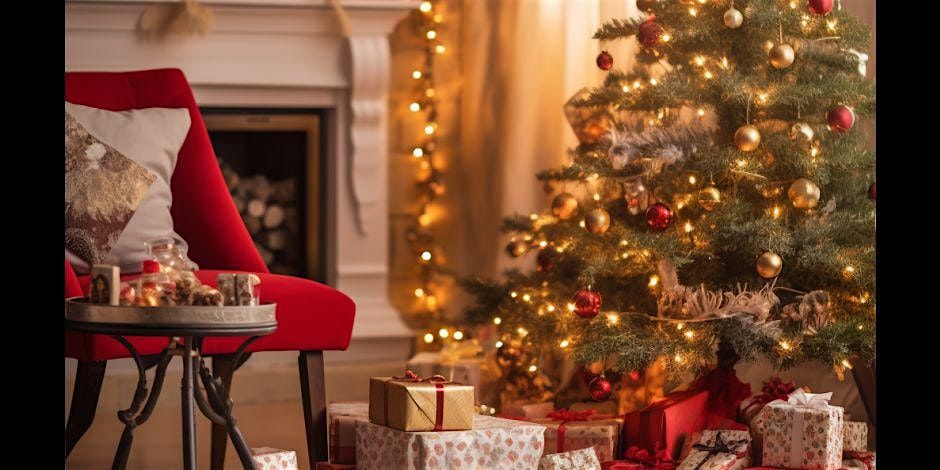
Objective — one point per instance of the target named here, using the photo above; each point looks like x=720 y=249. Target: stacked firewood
x=269 y=210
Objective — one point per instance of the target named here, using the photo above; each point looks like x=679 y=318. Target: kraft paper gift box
x=267 y=458
x=528 y=410
x=719 y=450
x=493 y=443
x=457 y=369
x=804 y=432
x=666 y=424
x=854 y=436
x=341 y=419
x=411 y=404
x=566 y=431
x=581 y=459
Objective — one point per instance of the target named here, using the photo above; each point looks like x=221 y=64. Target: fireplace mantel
x=286 y=53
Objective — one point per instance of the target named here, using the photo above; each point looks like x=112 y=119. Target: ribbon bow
x=819 y=401
x=654 y=459
x=408 y=377
x=719 y=447
x=564 y=415
x=776 y=389
x=438 y=381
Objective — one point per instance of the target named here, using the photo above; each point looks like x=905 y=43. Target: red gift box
x=666 y=424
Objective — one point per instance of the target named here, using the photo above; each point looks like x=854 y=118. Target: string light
x=458 y=335
x=654 y=82
x=701 y=112
x=526 y=297
x=419 y=292
x=564 y=343
x=533 y=368
x=785 y=345
x=680 y=326
x=775 y=212
x=497 y=321
x=425 y=7
x=440 y=48
x=416 y=75
x=514 y=294
x=570 y=307
x=688 y=227
x=522 y=331
x=846 y=364
x=414 y=107
x=428 y=338
x=678 y=358
x=613 y=319
x=654 y=280
x=499 y=344
x=689 y=334
x=550 y=308
x=426 y=256
x=831 y=25
x=666 y=37
x=708 y=75
x=443 y=333
x=418 y=152
x=432 y=34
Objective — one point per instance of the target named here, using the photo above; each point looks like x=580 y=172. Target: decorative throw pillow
x=150 y=138
x=102 y=191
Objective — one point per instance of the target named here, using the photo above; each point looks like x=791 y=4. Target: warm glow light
x=440 y=48
x=564 y=343
x=701 y=112
x=831 y=25
x=666 y=37
x=692 y=179
x=438 y=18
x=419 y=292
x=742 y=163
x=514 y=294
x=543 y=244
x=849 y=270
x=526 y=297
x=458 y=335
x=785 y=345
x=426 y=255
x=443 y=333
x=654 y=82
x=654 y=280
x=624 y=243
x=693 y=11
x=550 y=308
x=688 y=227
x=499 y=344
x=814 y=151
x=708 y=75
x=425 y=6
x=626 y=88
x=429 y=129
x=522 y=331
x=762 y=98
x=418 y=152
x=680 y=326
x=678 y=359
x=625 y=255
x=533 y=368
x=680 y=205
x=776 y=212
x=570 y=307
x=533 y=216
x=793 y=5
x=424 y=220
x=724 y=62
x=582 y=224
x=431 y=302
x=416 y=74
x=613 y=319
x=689 y=334
x=432 y=34
x=636 y=84
x=497 y=321
x=597 y=196
x=414 y=107
x=429 y=338
x=699 y=60
x=846 y=364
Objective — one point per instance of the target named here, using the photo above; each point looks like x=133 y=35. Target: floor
x=267 y=407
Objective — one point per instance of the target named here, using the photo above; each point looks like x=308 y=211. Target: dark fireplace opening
x=270 y=159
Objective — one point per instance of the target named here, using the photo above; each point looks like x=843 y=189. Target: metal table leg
x=188 y=410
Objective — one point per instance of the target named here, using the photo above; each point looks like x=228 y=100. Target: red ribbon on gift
x=566 y=416
x=657 y=459
x=438 y=381
x=862 y=456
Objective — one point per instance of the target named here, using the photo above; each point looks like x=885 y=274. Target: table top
x=182 y=320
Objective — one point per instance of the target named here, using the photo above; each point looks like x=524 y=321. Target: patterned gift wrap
x=267 y=458
x=803 y=433
x=854 y=436
x=341 y=419
x=719 y=450
x=581 y=459
x=493 y=443
x=528 y=410
x=334 y=466
x=566 y=431
x=410 y=403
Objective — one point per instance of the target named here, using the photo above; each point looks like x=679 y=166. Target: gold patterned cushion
x=102 y=191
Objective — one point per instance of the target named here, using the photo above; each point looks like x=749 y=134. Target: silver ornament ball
x=733 y=18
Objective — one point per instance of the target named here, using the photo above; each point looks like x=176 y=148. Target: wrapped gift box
x=859 y=461
x=854 y=436
x=804 y=432
x=528 y=410
x=719 y=450
x=334 y=466
x=666 y=424
x=411 y=404
x=341 y=419
x=567 y=431
x=492 y=443
x=581 y=459
x=268 y=458
x=608 y=407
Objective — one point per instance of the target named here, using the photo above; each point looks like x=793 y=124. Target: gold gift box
x=410 y=405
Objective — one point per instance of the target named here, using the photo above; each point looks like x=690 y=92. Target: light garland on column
x=430 y=183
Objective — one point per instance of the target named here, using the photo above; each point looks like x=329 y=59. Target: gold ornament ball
x=769 y=265
x=733 y=18
x=803 y=193
x=747 y=138
x=564 y=206
x=781 y=56
x=517 y=248
x=597 y=221
x=802 y=131
x=709 y=197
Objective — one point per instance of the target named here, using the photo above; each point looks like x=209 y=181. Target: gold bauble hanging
x=802 y=132
x=781 y=56
x=747 y=138
x=709 y=197
x=597 y=221
x=733 y=18
x=517 y=248
x=769 y=265
x=564 y=206
x=803 y=193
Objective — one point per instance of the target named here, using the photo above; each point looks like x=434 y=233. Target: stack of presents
x=423 y=421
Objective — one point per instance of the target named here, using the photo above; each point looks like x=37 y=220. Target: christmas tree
x=720 y=202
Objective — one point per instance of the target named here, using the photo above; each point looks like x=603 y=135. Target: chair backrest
x=203 y=211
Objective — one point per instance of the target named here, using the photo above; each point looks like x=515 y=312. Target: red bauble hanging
x=545 y=260
x=820 y=7
x=658 y=216
x=604 y=60
x=871 y=192
x=600 y=388
x=587 y=303
x=649 y=32
x=841 y=118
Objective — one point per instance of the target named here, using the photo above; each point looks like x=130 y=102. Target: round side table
x=186 y=327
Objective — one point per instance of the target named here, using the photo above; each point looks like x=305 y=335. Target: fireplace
x=271 y=163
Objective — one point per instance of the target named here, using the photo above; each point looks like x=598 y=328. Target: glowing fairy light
x=497 y=321
x=428 y=338
x=425 y=7
x=443 y=333
x=416 y=74
x=458 y=335
x=419 y=292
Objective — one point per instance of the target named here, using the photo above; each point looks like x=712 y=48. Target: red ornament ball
x=649 y=33
x=600 y=388
x=820 y=7
x=545 y=260
x=658 y=216
x=841 y=118
x=587 y=303
x=604 y=60
x=871 y=192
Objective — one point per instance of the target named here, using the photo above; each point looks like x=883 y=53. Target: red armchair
x=311 y=317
